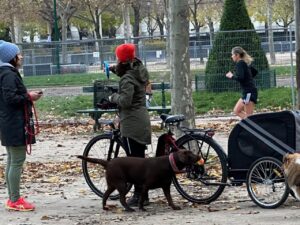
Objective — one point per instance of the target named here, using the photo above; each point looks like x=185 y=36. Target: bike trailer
x=259 y=135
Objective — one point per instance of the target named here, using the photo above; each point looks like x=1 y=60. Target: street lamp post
x=56 y=37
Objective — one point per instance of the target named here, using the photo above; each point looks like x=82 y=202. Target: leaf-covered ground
x=53 y=180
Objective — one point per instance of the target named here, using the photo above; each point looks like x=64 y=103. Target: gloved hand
x=105 y=104
x=112 y=69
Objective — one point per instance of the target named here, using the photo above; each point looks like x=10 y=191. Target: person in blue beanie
x=15 y=105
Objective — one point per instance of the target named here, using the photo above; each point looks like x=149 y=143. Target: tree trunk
x=270 y=32
x=167 y=13
x=98 y=32
x=181 y=82
x=211 y=30
x=127 y=26
x=161 y=26
x=18 y=30
x=136 y=25
x=12 y=29
x=297 y=33
x=198 y=42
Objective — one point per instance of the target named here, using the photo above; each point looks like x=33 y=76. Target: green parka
x=131 y=100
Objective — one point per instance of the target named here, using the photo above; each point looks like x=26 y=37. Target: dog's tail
x=94 y=160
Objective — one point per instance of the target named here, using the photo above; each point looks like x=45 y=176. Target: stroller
x=256 y=147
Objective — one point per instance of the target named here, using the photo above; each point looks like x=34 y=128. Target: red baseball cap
x=125 y=52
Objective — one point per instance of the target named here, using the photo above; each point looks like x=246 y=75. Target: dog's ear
x=285 y=158
x=182 y=155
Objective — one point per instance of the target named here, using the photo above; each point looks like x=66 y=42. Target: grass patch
x=206 y=101
x=81 y=79
x=283 y=71
x=63 y=106
x=87 y=79
x=270 y=99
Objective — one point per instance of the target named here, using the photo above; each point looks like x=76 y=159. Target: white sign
x=158 y=54
x=96 y=54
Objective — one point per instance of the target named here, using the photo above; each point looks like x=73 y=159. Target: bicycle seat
x=172 y=118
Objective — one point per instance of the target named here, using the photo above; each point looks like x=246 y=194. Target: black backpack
x=253 y=71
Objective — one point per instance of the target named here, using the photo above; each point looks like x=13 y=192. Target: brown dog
x=291 y=167
x=150 y=173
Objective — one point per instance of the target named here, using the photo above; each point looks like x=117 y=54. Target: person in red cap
x=125 y=52
x=131 y=100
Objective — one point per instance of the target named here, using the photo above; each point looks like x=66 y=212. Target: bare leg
x=239 y=109
x=169 y=198
x=249 y=108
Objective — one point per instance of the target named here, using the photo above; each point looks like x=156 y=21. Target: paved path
x=64 y=198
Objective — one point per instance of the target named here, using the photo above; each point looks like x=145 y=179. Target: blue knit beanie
x=8 y=51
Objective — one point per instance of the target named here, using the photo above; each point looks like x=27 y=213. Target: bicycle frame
x=170 y=141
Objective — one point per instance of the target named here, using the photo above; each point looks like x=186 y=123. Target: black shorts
x=249 y=96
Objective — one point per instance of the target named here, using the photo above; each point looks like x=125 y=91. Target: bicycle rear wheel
x=205 y=183
x=102 y=147
x=266 y=184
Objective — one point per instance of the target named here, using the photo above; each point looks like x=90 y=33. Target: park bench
x=102 y=89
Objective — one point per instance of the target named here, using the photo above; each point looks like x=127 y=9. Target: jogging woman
x=246 y=104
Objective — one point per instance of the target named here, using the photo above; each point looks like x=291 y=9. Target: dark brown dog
x=150 y=173
x=291 y=167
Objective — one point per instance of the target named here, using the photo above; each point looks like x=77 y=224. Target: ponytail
x=243 y=54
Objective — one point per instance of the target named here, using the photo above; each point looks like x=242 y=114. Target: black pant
x=134 y=149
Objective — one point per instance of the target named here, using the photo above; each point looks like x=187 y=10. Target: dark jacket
x=13 y=99
x=244 y=77
x=131 y=99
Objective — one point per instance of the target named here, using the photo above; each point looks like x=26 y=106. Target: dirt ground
x=53 y=181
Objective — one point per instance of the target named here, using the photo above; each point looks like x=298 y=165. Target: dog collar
x=173 y=164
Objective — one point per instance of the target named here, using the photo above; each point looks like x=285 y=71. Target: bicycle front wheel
x=202 y=183
x=101 y=147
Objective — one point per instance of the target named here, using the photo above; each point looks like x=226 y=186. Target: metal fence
x=48 y=58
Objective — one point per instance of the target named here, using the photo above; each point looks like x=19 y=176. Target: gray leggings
x=16 y=156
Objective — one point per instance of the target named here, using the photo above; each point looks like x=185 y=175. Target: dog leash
x=29 y=125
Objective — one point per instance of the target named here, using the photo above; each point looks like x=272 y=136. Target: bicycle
x=198 y=184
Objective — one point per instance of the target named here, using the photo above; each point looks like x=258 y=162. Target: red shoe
x=20 y=205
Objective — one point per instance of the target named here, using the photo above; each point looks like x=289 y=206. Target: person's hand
x=229 y=75
x=112 y=69
x=35 y=95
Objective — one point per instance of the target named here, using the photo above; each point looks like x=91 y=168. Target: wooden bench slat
x=150 y=109
x=154 y=86
x=87 y=89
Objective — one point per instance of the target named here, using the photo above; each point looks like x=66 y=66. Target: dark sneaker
x=146 y=202
x=134 y=201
